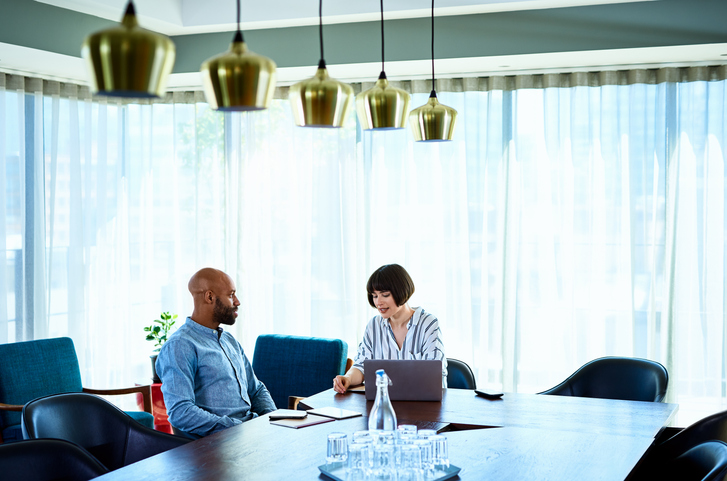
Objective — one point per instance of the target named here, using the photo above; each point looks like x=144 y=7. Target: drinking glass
x=440 y=452
x=425 y=450
x=365 y=437
x=406 y=429
x=410 y=466
x=426 y=433
x=337 y=448
x=384 y=468
x=386 y=437
x=358 y=462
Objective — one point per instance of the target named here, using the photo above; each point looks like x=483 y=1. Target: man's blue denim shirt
x=207 y=381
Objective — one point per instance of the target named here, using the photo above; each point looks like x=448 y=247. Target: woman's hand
x=341 y=383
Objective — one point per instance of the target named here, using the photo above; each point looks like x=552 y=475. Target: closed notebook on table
x=411 y=380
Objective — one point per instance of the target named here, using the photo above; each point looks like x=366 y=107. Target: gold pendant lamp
x=127 y=60
x=382 y=107
x=239 y=80
x=320 y=101
x=433 y=122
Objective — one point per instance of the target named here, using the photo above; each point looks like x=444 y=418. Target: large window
x=574 y=216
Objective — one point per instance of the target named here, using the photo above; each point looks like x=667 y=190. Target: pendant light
x=238 y=80
x=433 y=122
x=127 y=60
x=382 y=107
x=320 y=101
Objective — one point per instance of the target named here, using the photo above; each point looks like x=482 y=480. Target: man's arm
x=260 y=400
x=176 y=366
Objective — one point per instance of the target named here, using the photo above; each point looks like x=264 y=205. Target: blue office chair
x=32 y=369
x=294 y=366
x=459 y=375
x=626 y=378
x=47 y=460
x=96 y=425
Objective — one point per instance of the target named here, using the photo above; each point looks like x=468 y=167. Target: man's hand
x=341 y=383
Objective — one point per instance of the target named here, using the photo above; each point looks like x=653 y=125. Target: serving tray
x=337 y=471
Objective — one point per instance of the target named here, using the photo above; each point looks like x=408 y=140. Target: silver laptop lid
x=411 y=380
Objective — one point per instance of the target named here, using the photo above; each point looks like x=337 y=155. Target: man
x=207 y=381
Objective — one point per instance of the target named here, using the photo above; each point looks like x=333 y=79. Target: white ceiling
x=179 y=17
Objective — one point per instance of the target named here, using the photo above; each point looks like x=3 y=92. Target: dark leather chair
x=32 y=369
x=627 y=378
x=459 y=375
x=711 y=428
x=704 y=462
x=96 y=425
x=294 y=367
x=47 y=460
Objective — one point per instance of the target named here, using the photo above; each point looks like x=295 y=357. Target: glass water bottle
x=382 y=416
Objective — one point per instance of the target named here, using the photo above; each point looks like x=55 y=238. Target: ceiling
x=473 y=37
x=181 y=17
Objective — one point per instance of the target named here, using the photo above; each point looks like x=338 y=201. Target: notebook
x=412 y=380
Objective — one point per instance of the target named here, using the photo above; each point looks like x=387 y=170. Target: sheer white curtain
x=108 y=209
x=573 y=216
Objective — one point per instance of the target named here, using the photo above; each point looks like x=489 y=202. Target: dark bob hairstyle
x=392 y=278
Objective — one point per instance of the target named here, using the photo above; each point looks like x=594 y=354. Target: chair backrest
x=32 y=369
x=297 y=366
x=626 y=378
x=96 y=425
x=459 y=375
x=704 y=462
x=46 y=460
x=711 y=428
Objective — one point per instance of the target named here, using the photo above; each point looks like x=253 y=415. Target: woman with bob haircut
x=397 y=331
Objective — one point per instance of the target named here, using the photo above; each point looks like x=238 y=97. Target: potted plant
x=159 y=332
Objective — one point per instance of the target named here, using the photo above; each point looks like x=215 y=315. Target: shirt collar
x=415 y=318
x=206 y=331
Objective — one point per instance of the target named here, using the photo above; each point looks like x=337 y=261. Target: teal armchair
x=31 y=369
x=294 y=366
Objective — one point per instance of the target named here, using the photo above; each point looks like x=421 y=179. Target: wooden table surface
x=538 y=437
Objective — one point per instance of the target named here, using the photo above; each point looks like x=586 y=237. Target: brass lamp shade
x=239 y=80
x=320 y=101
x=382 y=107
x=433 y=121
x=127 y=60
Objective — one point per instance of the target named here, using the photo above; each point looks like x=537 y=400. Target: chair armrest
x=11 y=407
x=145 y=392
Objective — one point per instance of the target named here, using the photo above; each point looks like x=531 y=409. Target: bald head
x=214 y=297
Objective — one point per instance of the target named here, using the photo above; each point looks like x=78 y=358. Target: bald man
x=207 y=381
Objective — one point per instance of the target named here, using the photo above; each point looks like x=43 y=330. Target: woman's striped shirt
x=423 y=341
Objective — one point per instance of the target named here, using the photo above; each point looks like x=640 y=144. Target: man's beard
x=222 y=314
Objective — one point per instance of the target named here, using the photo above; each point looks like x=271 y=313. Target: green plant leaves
x=160 y=333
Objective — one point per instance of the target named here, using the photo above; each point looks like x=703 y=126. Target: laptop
x=411 y=380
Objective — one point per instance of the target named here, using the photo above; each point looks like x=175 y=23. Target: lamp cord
x=433 y=89
x=382 y=37
x=320 y=31
x=238 y=34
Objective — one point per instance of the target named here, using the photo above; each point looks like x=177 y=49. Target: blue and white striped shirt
x=423 y=341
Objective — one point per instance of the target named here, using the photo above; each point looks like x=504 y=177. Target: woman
x=398 y=331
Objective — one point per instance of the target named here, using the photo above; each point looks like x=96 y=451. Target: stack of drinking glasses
x=404 y=455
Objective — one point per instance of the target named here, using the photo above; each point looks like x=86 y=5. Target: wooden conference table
x=522 y=436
